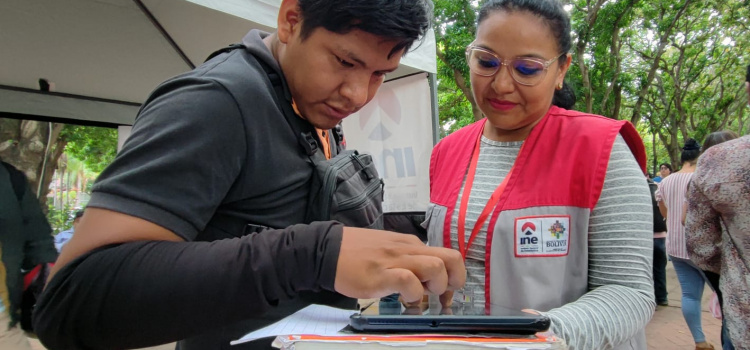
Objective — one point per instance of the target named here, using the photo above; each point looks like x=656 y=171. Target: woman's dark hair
x=718 y=137
x=690 y=151
x=553 y=13
x=403 y=20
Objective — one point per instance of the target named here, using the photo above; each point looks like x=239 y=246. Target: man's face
x=333 y=75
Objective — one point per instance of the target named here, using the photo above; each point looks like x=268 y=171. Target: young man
x=213 y=146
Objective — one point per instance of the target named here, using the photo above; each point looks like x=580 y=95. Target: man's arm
x=156 y=289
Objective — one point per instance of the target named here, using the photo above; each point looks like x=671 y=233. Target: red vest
x=562 y=164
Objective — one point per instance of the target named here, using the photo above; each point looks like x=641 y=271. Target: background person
x=660 y=249
x=64 y=236
x=664 y=171
x=711 y=140
x=719 y=196
x=165 y=235
x=671 y=198
x=556 y=234
x=712 y=208
x=25 y=242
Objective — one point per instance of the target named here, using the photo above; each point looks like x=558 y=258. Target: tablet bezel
x=433 y=319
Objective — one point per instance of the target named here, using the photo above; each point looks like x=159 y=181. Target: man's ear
x=289 y=21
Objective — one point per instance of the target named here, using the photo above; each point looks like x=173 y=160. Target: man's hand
x=374 y=264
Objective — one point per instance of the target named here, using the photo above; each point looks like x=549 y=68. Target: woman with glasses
x=664 y=171
x=548 y=206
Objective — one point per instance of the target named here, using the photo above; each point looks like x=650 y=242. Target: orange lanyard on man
x=491 y=203
x=322 y=134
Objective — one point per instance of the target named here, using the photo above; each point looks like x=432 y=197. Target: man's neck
x=272 y=43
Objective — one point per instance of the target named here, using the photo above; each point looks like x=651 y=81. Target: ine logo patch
x=542 y=236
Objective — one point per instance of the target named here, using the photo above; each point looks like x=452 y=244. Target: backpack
x=345 y=188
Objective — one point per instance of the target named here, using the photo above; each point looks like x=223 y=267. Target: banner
x=396 y=129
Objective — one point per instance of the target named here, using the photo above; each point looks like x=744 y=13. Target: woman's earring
x=560 y=86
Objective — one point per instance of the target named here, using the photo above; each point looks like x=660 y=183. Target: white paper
x=312 y=320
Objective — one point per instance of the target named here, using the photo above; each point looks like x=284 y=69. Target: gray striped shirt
x=620 y=301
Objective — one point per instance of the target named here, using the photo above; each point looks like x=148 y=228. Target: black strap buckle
x=308 y=143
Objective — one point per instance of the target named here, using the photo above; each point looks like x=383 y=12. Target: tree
x=675 y=66
x=454 y=31
x=36 y=148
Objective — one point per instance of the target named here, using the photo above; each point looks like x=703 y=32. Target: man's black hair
x=405 y=21
x=666 y=165
x=553 y=13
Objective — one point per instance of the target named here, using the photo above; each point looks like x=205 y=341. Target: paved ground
x=666 y=331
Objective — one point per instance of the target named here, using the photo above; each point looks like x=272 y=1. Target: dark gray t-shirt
x=211 y=143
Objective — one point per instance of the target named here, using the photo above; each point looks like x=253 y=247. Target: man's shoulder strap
x=17 y=180
x=306 y=138
x=224 y=50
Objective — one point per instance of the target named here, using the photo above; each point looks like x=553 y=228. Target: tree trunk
x=23 y=143
x=462 y=85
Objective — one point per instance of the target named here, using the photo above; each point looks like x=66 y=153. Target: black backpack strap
x=224 y=50
x=17 y=180
x=338 y=136
x=306 y=138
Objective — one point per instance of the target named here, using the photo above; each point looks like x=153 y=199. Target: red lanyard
x=491 y=203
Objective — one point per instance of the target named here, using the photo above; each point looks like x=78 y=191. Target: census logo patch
x=542 y=236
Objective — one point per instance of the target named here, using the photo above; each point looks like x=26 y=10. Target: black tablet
x=461 y=317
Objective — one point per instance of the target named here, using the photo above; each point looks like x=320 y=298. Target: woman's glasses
x=524 y=70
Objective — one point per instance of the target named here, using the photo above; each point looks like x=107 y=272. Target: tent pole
x=164 y=33
x=432 y=80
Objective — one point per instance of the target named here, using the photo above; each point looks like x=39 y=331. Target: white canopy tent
x=103 y=57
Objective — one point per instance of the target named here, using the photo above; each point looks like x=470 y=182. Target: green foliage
x=455 y=109
x=454 y=30
x=60 y=219
x=96 y=147
x=675 y=68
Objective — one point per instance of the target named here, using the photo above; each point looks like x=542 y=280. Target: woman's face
x=512 y=109
x=664 y=171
